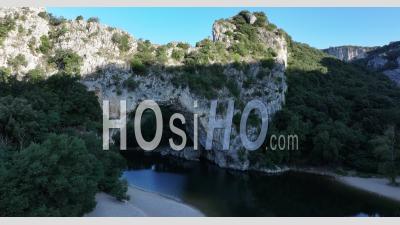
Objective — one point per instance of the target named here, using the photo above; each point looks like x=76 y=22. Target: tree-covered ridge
x=340 y=112
x=51 y=162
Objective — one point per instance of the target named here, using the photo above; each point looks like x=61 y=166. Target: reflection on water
x=221 y=192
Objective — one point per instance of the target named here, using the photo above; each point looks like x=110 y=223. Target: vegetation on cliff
x=342 y=113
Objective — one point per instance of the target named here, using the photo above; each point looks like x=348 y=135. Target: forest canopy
x=51 y=162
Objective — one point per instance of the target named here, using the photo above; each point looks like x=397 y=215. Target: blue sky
x=318 y=27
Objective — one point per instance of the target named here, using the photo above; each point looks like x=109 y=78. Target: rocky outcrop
x=90 y=40
x=385 y=59
x=348 y=53
x=106 y=70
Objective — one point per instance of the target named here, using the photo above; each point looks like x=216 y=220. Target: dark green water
x=221 y=192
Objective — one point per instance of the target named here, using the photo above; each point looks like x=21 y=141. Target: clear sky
x=318 y=27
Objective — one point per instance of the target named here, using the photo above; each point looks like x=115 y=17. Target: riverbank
x=142 y=203
x=375 y=185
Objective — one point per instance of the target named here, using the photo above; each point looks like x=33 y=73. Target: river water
x=222 y=192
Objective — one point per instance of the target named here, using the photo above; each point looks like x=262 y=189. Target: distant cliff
x=348 y=53
x=385 y=59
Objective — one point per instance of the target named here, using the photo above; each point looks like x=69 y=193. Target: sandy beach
x=375 y=185
x=145 y=203
x=142 y=203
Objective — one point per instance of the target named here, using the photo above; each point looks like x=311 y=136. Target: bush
x=268 y=63
x=54 y=34
x=44 y=15
x=17 y=62
x=31 y=44
x=20 y=29
x=93 y=20
x=122 y=41
x=67 y=61
x=35 y=74
x=184 y=46
x=261 y=19
x=6 y=25
x=178 y=54
x=45 y=44
x=137 y=66
x=79 y=18
x=55 y=21
x=4 y=74
x=161 y=54
x=240 y=49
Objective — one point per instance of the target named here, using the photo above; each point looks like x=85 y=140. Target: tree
x=45 y=44
x=386 y=150
x=67 y=61
x=18 y=120
x=56 y=178
x=122 y=41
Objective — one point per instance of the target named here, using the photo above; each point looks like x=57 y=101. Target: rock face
x=90 y=40
x=348 y=53
x=385 y=59
x=106 y=70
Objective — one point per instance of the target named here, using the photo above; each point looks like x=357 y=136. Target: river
x=223 y=192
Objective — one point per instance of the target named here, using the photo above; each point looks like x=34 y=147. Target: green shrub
x=178 y=54
x=56 y=33
x=31 y=44
x=44 y=15
x=137 y=66
x=161 y=54
x=4 y=74
x=67 y=61
x=7 y=24
x=261 y=19
x=45 y=44
x=122 y=41
x=80 y=17
x=271 y=27
x=145 y=53
x=55 y=21
x=20 y=29
x=93 y=20
x=267 y=63
x=17 y=62
x=35 y=74
x=182 y=45
x=240 y=49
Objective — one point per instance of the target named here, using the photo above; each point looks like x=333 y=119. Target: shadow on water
x=221 y=192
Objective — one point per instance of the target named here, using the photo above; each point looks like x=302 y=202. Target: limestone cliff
x=348 y=53
x=385 y=59
x=245 y=60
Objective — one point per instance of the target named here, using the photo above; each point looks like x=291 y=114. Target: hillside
x=54 y=74
x=384 y=59
x=247 y=58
